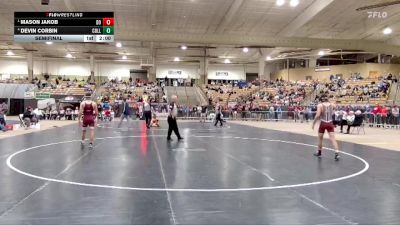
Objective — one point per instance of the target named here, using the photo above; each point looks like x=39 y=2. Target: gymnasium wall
x=234 y=72
x=345 y=70
x=17 y=67
x=178 y=71
x=67 y=68
x=114 y=70
x=226 y=72
x=71 y=68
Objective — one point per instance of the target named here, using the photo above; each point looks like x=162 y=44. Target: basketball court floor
x=232 y=175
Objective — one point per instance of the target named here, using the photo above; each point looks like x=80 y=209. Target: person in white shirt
x=147 y=112
x=344 y=121
x=172 y=114
x=350 y=118
x=62 y=114
x=395 y=114
x=76 y=113
x=198 y=111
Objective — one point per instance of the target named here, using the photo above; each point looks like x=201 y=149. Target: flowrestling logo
x=377 y=15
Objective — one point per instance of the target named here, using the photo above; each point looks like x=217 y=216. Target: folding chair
x=361 y=127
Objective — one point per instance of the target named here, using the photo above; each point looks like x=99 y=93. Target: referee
x=218 y=117
x=173 y=113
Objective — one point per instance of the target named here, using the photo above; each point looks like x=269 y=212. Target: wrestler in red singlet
x=88 y=113
x=326 y=119
x=325 y=113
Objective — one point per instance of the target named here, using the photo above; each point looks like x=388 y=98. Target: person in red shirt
x=377 y=114
x=384 y=115
x=377 y=109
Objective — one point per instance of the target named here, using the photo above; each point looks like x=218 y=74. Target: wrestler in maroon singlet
x=88 y=113
x=325 y=112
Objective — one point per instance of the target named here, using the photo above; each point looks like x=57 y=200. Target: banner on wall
x=29 y=94
x=322 y=69
x=220 y=73
x=42 y=95
x=175 y=72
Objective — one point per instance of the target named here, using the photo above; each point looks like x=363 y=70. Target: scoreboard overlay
x=64 y=26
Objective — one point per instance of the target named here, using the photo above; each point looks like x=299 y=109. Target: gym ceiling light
x=280 y=2
x=387 y=31
x=294 y=3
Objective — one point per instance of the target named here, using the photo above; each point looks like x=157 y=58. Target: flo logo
x=377 y=15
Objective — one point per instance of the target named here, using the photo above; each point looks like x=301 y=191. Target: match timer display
x=64 y=26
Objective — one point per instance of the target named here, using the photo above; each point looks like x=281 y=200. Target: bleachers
x=64 y=90
x=273 y=91
x=228 y=93
x=355 y=98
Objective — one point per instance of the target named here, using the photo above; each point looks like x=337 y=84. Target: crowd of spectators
x=276 y=99
x=272 y=97
x=355 y=89
x=135 y=90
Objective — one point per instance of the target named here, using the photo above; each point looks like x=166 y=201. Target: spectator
x=3 y=110
x=76 y=113
x=61 y=114
x=29 y=117
x=271 y=112
x=384 y=116
x=344 y=121
x=68 y=114
x=3 y=128
x=395 y=116
x=47 y=113
x=2 y=120
x=376 y=112
x=53 y=114
x=155 y=122
x=357 y=120
x=337 y=118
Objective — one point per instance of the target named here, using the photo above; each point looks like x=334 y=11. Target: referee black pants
x=172 y=126
x=147 y=116
x=218 y=118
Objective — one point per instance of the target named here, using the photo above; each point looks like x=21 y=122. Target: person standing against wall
x=172 y=114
